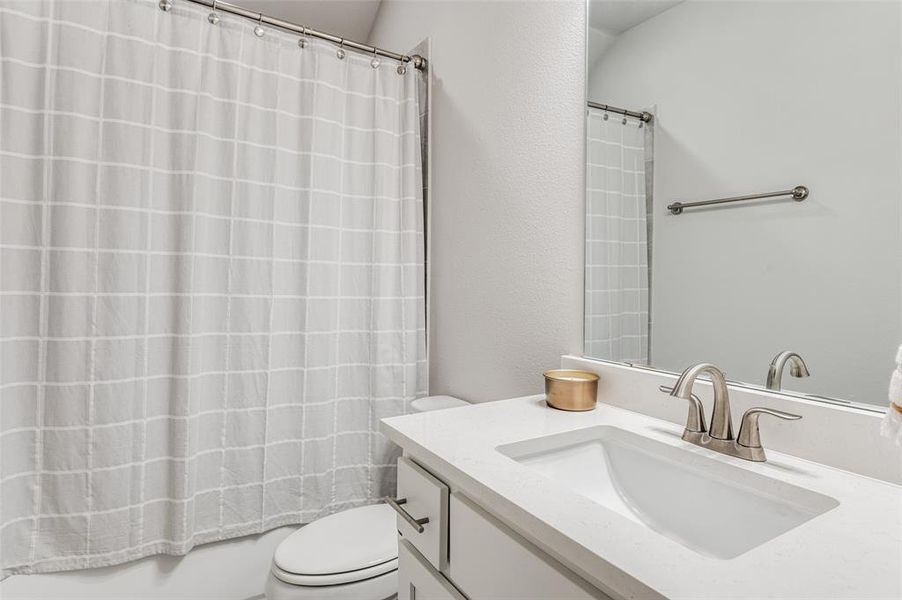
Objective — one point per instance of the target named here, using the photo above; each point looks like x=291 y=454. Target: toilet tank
x=436 y=403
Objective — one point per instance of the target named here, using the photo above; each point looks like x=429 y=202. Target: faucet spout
x=797 y=368
x=721 y=422
x=720 y=437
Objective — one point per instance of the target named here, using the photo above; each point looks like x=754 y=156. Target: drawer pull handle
x=396 y=504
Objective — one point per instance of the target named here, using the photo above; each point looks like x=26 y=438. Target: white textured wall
x=761 y=96
x=508 y=186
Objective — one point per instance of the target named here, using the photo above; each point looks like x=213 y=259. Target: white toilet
x=350 y=555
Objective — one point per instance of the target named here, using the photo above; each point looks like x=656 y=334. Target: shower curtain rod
x=416 y=60
x=643 y=116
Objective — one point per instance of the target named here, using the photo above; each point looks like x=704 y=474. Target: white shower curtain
x=617 y=276
x=212 y=279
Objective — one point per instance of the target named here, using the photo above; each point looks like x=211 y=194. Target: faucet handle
x=695 y=421
x=749 y=435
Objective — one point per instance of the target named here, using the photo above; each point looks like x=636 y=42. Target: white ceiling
x=616 y=16
x=352 y=19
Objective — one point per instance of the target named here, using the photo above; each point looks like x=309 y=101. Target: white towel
x=892 y=423
x=891 y=427
x=895 y=387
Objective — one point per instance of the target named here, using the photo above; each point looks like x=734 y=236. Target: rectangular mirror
x=796 y=104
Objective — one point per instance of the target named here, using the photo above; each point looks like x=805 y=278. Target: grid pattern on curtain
x=617 y=274
x=212 y=281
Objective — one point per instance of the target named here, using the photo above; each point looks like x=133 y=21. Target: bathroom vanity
x=512 y=499
x=490 y=559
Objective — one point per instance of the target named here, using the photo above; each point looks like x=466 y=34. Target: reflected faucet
x=797 y=368
x=720 y=437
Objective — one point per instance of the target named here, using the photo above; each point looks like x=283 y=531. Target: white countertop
x=853 y=551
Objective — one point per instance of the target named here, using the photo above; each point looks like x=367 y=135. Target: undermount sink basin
x=707 y=505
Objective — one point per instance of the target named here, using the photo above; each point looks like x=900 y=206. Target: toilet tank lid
x=349 y=540
x=436 y=403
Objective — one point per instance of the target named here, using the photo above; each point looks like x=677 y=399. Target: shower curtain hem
x=56 y=565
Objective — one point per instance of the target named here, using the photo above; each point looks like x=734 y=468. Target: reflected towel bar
x=798 y=193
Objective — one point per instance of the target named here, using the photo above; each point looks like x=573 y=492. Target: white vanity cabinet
x=418 y=580
x=424 y=497
x=489 y=560
x=479 y=558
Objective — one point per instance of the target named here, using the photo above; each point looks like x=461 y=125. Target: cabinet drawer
x=488 y=560
x=423 y=497
x=417 y=580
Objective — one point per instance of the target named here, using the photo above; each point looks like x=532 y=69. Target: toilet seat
x=335 y=578
x=346 y=547
x=383 y=587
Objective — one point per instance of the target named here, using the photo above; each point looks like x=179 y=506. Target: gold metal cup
x=567 y=389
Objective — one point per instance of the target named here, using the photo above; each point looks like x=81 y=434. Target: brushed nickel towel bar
x=798 y=193
x=416 y=60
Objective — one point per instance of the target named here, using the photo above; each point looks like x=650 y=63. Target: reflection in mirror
x=749 y=101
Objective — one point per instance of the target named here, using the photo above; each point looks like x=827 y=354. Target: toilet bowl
x=349 y=555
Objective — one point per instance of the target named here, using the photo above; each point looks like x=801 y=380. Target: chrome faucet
x=797 y=368
x=720 y=437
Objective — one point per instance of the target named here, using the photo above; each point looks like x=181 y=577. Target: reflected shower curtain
x=617 y=274
x=212 y=279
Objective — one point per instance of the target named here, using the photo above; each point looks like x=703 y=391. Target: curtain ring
x=402 y=67
x=213 y=18
x=258 y=30
x=605 y=115
x=376 y=60
x=341 y=50
x=302 y=42
x=165 y=5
